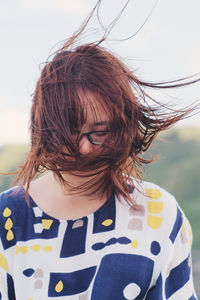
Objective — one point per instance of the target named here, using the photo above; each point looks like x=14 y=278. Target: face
x=96 y=125
x=95 y=130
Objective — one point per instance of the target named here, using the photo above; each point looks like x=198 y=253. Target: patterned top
x=113 y=254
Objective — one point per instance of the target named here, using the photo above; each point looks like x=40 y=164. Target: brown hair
x=57 y=109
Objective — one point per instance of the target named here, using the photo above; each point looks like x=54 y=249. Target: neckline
x=33 y=204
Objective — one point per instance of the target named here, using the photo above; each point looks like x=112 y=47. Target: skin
x=55 y=199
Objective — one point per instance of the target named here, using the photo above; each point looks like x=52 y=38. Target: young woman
x=88 y=229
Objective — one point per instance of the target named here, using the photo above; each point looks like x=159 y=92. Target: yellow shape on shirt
x=59 y=286
x=8 y=224
x=189 y=262
x=35 y=247
x=47 y=248
x=134 y=243
x=154 y=221
x=191 y=237
x=155 y=207
x=23 y=249
x=46 y=223
x=107 y=222
x=3 y=262
x=10 y=235
x=153 y=193
x=7 y=212
x=187 y=229
x=17 y=250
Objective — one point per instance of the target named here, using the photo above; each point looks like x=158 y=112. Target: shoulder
x=162 y=220
x=160 y=208
x=12 y=212
x=155 y=197
x=11 y=200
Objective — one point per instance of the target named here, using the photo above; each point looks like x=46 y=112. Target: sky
x=166 y=48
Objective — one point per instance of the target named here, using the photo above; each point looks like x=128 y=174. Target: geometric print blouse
x=115 y=253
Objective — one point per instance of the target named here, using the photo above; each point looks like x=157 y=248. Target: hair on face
x=58 y=109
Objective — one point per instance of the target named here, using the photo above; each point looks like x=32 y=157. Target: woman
x=87 y=228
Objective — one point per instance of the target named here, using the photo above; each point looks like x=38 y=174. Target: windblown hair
x=58 y=109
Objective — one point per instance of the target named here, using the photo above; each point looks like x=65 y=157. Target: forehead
x=94 y=109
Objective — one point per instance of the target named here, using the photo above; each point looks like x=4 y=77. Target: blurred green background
x=176 y=168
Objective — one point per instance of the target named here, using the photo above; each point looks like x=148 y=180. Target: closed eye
x=100 y=133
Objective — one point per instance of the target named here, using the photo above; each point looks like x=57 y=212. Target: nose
x=85 y=146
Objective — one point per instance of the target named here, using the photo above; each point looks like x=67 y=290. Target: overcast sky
x=166 y=48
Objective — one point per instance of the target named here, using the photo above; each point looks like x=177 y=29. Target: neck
x=77 y=185
x=59 y=201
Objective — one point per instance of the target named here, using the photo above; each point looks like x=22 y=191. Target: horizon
x=180 y=129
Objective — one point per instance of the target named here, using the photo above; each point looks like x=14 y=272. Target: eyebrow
x=101 y=123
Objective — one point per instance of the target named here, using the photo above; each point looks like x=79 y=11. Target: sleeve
x=6 y=281
x=6 y=239
x=175 y=281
